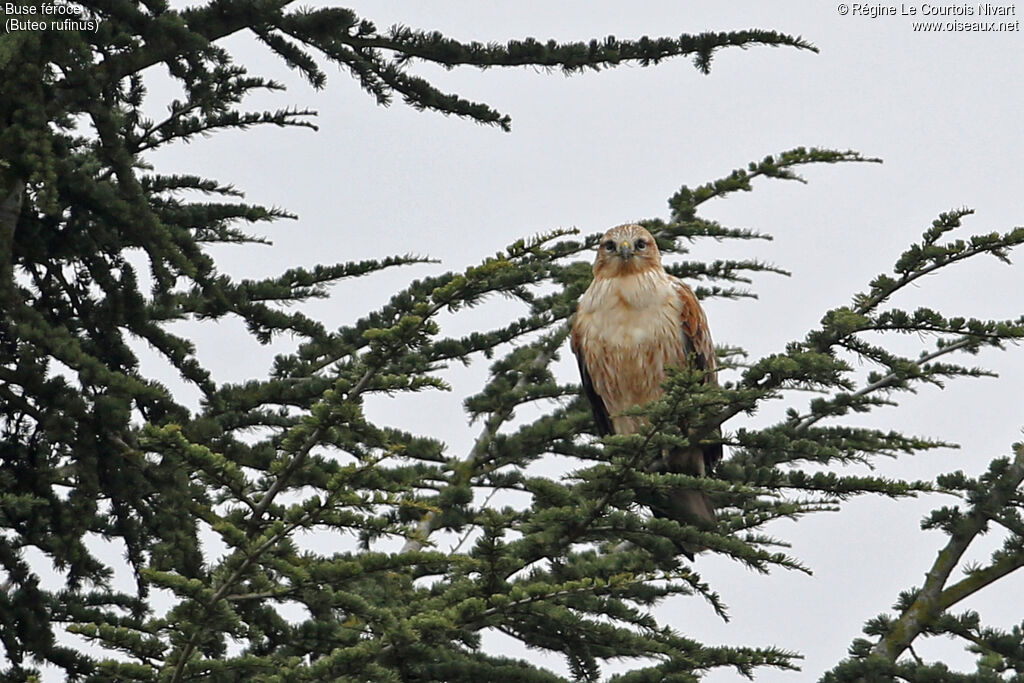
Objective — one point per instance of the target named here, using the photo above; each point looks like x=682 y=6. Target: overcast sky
x=942 y=110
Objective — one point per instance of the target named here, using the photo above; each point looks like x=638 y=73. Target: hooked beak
x=626 y=250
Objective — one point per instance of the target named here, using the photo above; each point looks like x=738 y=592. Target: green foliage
x=924 y=612
x=215 y=508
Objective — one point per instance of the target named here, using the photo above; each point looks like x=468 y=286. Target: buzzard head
x=624 y=250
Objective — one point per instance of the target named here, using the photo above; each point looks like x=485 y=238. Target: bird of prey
x=634 y=321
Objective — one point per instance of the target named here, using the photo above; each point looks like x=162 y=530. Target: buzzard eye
x=640 y=245
x=609 y=245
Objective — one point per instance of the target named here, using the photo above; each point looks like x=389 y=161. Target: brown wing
x=695 y=331
x=602 y=419
x=697 y=340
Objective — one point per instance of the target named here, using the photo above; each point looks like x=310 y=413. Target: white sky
x=942 y=109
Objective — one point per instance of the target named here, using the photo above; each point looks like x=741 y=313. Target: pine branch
x=201 y=27
x=571 y=57
x=683 y=204
x=467 y=466
x=10 y=211
x=251 y=557
x=935 y=596
x=881 y=383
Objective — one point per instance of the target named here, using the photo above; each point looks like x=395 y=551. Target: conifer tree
x=92 y=448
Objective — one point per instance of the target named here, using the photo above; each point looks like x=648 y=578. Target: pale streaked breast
x=631 y=332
